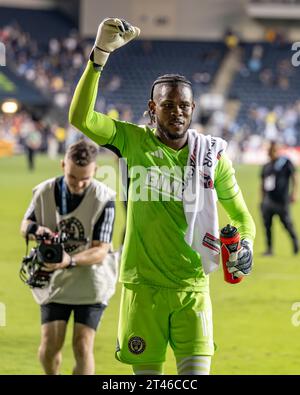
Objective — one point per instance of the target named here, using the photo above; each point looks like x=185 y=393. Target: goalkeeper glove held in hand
x=240 y=262
x=112 y=34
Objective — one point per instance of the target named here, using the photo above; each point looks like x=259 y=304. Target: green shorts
x=152 y=317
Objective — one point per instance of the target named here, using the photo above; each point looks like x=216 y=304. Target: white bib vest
x=81 y=284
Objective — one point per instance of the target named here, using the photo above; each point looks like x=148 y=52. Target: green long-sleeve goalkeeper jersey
x=155 y=251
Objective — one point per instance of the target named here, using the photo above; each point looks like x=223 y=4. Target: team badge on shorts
x=136 y=345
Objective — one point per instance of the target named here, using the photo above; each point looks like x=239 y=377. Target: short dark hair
x=82 y=153
x=170 y=79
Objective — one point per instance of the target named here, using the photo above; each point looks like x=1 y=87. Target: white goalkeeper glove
x=240 y=262
x=112 y=34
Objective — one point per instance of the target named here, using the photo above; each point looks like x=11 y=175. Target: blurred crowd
x=54 y=67
x=26 y=132
x=280 y=123
x=51 y=68
x=276 y=75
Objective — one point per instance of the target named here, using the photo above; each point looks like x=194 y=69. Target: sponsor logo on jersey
x=166 y=182
x=158 y=154
x=136 y=345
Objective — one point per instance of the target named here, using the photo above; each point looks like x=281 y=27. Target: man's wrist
x=32 y=228
x=99 y=60
x=72 y=263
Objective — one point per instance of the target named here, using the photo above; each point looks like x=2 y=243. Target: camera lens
x=49 y=254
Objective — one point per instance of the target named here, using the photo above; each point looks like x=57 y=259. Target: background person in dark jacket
x=279 y=189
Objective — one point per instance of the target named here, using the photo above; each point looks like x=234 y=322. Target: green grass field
x=252 y=320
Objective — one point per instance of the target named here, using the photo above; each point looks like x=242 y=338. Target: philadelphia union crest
x=136 y=345
x=74 y=230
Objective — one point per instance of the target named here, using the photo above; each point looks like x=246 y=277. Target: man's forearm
x=91 y=256
x=96 y=126
x=112 y=34
x=239 y=215
x=232 y=200
x=24 y=227
x=35 y=229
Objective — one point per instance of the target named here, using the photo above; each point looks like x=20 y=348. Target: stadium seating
x=126 y=81
x=40 y=24
x=14 y=87
x=265 y=81
x=139 y=64
x=274 y=84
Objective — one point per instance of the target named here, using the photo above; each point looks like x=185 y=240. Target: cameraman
x=83 y=282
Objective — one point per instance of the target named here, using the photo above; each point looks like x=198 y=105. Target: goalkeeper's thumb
x=112 y=34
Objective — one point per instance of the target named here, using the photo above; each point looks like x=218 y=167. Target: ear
x=193 y=106
x=152 y=106
x=62 y=163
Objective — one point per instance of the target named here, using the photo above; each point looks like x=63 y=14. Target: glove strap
x=97 y=67
x=250 y=242
x=100 y=49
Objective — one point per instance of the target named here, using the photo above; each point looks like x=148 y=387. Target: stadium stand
x=137 y=66
x=41 y=25
x=267 y=86
x=14 y=87
x=54 y=66
x=45 y=64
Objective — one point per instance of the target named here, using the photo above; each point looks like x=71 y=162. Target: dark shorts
x=88 y=314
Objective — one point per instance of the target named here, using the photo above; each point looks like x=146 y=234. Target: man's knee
x=52 y=339
x=48 y=350
x=286 y=221
x=82 y=348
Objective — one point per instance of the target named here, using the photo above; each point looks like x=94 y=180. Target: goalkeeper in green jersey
x=171 y=241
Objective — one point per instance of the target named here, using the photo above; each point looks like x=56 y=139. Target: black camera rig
x=49 y=249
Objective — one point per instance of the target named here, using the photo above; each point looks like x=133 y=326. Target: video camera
x=49 y=249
